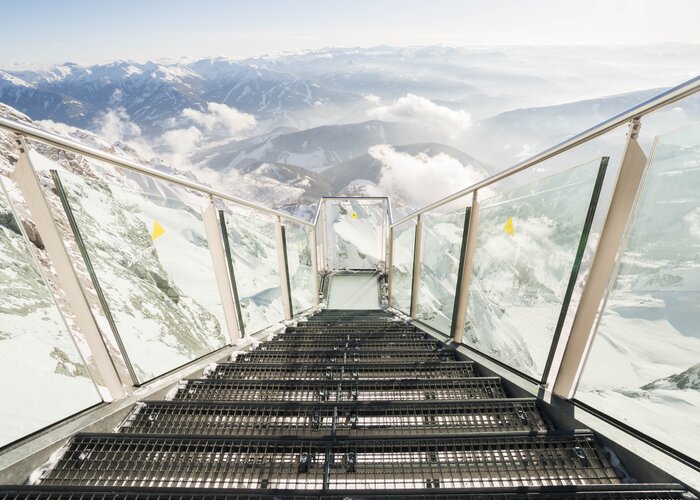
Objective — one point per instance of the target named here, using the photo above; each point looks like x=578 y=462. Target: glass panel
x=528 y=243
x=150 y=258
x=251 y=241
x=402 y=266
x=441 y=252
x=358 y=233
x=644 y=364
x=300 y=266
x=35 y=345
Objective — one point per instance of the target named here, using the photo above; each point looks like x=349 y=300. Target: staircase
x=347 y=405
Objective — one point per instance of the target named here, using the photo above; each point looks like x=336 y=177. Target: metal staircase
x=348 y=404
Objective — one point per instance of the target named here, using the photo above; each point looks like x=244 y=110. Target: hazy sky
x=39 y=32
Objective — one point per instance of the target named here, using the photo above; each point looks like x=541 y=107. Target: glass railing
x=441 y=253
x=355 y=232
x=529 y=245
x=152 y=269
x=300 y=266
x=508 y=276
x=403 y=247
x=644 y=366
x=44 y=377
x=252 y=248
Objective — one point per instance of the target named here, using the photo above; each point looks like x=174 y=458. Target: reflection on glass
x=527 y=247
x=35 y=345
x=644 y=364
x=357 y=228
x=300 y=266
x=251 y=242
x=150 y=258
x=402 y=266
x=440 y=259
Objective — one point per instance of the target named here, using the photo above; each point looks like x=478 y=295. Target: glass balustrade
x=439 y=268
x=252 y=250
x=299 y=264
x=529 y=245
x=356 y=231
x=44 y=377
x=403 y=248
x=150 y=262
x=643 y=368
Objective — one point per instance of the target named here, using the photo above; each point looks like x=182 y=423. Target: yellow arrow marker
x=508 y=227
x=354 y=215
x=158 y=231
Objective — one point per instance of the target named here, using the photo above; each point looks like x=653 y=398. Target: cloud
x=116 y=126
x=417 y=109
x=421 y=179
x=182 y=143
x=220 y=118
x=372 y=99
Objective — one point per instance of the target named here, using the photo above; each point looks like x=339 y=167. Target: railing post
x=314 y=265
x=467 y=268
x=417 y=256
x=283 y=268
x=221 y=270
x=107 y=366
x=627 y=185
x=389 y=263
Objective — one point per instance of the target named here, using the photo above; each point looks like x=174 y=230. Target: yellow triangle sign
x=508 y=227
x=158 y=231
x=354 y=215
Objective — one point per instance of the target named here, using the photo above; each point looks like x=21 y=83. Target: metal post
x=314 y=265
x=215 y=241
x=389 y=263
x=627 y=186
x=417 y=256
x=283 y=268
x=108 y=367
x=467 y=268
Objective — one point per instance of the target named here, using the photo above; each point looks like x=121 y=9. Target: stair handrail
x=661 y=100
x=51 y=139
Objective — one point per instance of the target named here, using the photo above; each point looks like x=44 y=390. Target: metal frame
x=417 y=258
x=111 y=368
x=281 y=245
x=621 y=208
x=466 y=269
x=327 y=228
x=221 y=271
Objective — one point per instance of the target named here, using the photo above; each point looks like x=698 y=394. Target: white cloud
x=116 y=126
x=422 y=179
x=417 y=109
x=219 y=117
x=182 y=143
x=372 y=99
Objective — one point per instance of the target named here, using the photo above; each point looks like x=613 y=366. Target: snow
x=45 y=377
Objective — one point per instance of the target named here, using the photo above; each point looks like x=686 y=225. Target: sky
x=45 y=32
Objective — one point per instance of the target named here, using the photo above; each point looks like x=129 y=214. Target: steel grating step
x=324 y=391
x=265 y=371
x=588 y=492
x=346 y=345
x=517 y=459
x=343 y=357
x=351 y=419
x=331 y=336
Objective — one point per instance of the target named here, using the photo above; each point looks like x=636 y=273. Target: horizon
x=157 y=30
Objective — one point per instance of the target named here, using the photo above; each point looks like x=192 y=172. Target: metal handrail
x=670 y=96
x=52 y=139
